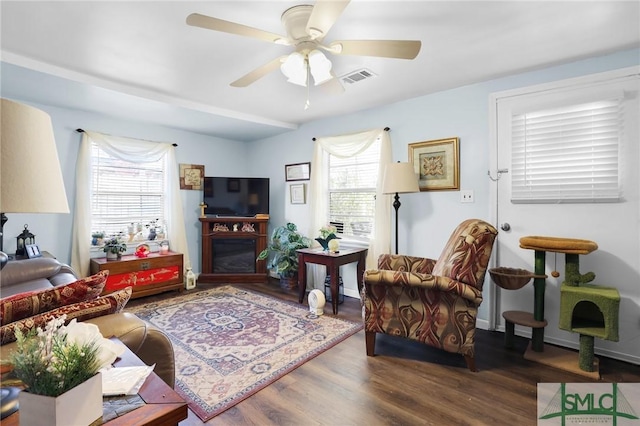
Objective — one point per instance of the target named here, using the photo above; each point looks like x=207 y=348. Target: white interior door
x=613 y=226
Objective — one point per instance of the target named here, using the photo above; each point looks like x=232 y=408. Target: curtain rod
x=386 y=129
x=82 y=131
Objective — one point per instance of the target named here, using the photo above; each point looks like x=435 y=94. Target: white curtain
x=132 y=150
x=347 y=146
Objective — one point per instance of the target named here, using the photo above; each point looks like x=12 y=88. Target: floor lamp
x=30 y=177
x=399 y=178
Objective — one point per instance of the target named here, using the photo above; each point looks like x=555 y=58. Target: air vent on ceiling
x=357 y=76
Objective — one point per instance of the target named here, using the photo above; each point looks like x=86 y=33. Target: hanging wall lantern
x=22 y=240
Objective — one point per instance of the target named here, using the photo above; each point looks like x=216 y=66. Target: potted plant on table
x=284 y=242
x=58 y=365
x=114 y=248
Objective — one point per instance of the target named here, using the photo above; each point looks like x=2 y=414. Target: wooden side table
x=332 y=261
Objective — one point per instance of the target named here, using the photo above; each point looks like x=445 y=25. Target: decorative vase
x=112 y=256
x=81 y=405
x=324 y=242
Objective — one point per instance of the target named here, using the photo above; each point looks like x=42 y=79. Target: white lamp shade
x=320 y=67
x=400 y=178
x=295 y=69
x=30 y=176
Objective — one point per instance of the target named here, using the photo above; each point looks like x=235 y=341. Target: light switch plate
x=466 y=196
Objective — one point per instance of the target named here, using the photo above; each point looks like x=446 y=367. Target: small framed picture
x=298 y=171
x=298 y=193
x=32 y=251
x=436 y=163
x=191 y=176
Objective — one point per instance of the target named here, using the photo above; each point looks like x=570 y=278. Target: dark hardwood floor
x=406 y=383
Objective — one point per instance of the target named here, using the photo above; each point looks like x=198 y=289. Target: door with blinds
x=566 y=165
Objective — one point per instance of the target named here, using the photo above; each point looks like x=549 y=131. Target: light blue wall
x=426 y=219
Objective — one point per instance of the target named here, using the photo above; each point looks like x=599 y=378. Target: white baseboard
x=526 y=332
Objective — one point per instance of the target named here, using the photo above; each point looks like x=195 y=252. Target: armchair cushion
x=383 y=279
x=109 y=304
x=466 y=255
x=24 y=305
x=399 y=262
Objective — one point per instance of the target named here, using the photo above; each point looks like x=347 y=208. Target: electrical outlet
x=466 y=196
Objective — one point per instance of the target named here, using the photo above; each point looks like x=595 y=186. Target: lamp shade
x=399 y=178
x=295 y=69
x=320 y=67
x=30 y=175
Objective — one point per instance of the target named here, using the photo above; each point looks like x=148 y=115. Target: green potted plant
x=284 y=242
x=114 y=248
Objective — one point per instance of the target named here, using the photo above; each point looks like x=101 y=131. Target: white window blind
x=567 y=154
x=123 y=193
x=352 y=190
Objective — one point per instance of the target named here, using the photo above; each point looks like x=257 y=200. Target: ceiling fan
x=306 y=26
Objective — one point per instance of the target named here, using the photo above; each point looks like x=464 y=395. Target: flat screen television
x=233 y=196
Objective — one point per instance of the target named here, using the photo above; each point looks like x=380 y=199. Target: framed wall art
x=437 y=164
x=298 y=193
x=191 y=176
x=298 y=171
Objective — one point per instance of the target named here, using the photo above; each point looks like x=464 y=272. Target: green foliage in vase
x=284 y=242
x=49 y=365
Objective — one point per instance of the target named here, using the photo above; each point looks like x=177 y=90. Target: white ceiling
x=140 y=60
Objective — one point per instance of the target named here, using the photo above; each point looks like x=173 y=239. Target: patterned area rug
x=229 y=343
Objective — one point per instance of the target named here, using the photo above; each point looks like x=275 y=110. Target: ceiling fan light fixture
x=295 y=69
x=320 y=67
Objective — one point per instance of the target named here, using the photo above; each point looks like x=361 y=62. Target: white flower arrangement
x=327 y=230
x=54 y=360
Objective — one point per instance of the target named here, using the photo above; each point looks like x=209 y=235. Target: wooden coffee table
x=163 y=406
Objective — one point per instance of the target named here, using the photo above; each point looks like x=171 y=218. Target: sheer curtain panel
x=135 y=151
x=346 y=146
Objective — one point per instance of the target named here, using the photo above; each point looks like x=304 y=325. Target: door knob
x=505 y=227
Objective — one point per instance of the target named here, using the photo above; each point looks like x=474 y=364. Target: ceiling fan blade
x=400 y=49
x=259 y=72
x=324 y=14
x=210 y=23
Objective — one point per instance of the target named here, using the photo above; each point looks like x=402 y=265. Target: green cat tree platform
x=590 y=310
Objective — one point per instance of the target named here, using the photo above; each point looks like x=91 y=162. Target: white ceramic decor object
x=316 y=302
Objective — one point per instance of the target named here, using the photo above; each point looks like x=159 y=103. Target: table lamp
x=30 y=175
x=399 y=178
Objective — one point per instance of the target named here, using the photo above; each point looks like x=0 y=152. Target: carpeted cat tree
x=588 y=309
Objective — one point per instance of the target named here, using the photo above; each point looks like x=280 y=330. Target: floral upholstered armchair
x=433 y=302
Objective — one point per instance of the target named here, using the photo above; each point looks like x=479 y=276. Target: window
x=568 y=154
x=352 y=191
x=124 y=193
